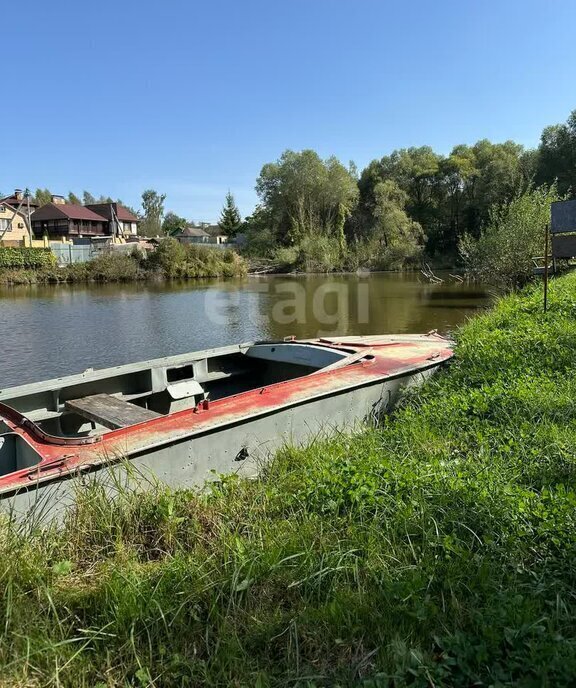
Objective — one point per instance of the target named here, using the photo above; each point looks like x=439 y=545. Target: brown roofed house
x=122 y=222
x=18 y=200
x=60 y=219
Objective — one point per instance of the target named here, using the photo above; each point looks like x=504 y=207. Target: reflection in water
x=47 y=331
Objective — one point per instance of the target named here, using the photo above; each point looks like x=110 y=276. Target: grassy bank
x=437 y=550
x=169 y=261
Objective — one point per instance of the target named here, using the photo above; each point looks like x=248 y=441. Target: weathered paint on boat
x=230 y=434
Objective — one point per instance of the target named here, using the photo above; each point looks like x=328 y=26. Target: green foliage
x=557 y=155
x=230 y=220
x=319 y=254
x=448 y=196
x=176 y=260
x=112 y=267
x=153 y=206
x=306 y=196
x=257 y=228
x=26 y=258
x=513 y=235
x=408 y=201
x=300 y=223
x=173 y=223
x=88 y=198
x=74 y=199
x=395 y=239
x=43 y=196
x=169 y=256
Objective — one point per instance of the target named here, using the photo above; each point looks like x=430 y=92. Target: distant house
x=70 y=221
x=192 y=235
x=14 y=217
x=217 y=236
x=121 y=221
x=66 y=220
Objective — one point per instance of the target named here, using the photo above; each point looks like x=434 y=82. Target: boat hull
x=242 y=448
x=354 y=380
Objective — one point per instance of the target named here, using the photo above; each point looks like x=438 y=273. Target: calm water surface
x=48 y=331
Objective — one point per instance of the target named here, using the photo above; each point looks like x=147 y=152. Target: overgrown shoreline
x=436 y=550
x=169 y=261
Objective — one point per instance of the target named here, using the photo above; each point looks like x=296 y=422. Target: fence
x=67 y=254
x=222 y=246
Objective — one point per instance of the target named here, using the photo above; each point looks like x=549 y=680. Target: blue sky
x=192 y=98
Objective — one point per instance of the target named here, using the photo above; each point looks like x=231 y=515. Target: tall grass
x=436 y=550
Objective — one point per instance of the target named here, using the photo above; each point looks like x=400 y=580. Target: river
x=49 y=331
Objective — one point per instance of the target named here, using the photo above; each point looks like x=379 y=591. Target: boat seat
x=109 y=411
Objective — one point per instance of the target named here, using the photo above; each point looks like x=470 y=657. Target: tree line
x=413 y=202
x=43 y=196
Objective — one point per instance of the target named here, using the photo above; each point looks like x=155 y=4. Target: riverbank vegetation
x=319 y=215
x=170 y=260
x=512 y=237
x=437 y=549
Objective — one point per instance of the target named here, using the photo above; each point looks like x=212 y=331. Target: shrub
x=175 y=260
x=513 y=236
x=320 y=253
x=168 y=257
x=26 y=258
x=113 y=267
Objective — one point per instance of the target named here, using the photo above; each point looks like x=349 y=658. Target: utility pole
x=27 y=194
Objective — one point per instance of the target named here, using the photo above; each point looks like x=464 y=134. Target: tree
x=397 y=238
x=557 y=156
x=43 y=196
x=448 y=196
x=455 y=178
x=72 y=198
x=306 y=196
x=416 y=172
x=153 y=206
x=88 y=198
x=230 y=219
x=257 y=228
x=173 y=223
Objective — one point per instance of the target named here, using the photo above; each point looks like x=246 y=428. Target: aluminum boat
x=187 y=418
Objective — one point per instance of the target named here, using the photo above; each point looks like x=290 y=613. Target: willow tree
x=307 y=197
x=397 y=239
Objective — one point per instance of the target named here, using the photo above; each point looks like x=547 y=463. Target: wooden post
x=546 y=269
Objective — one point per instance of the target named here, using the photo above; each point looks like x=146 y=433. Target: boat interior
x=96 y=402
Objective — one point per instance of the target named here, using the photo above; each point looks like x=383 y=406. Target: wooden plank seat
x=109 y=411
